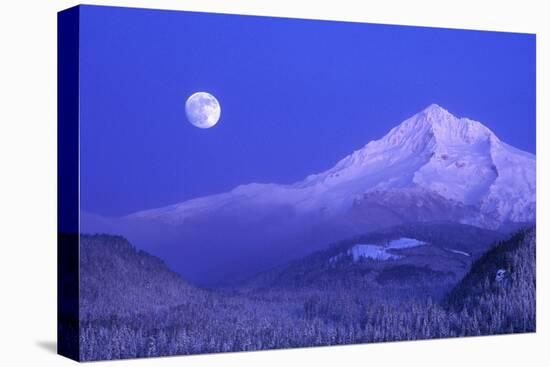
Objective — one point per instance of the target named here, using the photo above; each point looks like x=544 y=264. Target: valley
x=134 y=306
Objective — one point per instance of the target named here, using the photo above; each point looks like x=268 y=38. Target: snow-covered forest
x=132 y=305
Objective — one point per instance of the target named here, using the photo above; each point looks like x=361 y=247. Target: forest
x=132 y=305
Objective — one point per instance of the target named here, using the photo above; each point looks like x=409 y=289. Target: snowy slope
x=440 y=157
x=378 y=251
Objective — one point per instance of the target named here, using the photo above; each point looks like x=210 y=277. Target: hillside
x=433 y=258
x=500 y=287
x=115 y=278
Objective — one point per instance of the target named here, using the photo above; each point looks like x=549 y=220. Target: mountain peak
x=436 y=125
x=434 y=114
x=435 y=111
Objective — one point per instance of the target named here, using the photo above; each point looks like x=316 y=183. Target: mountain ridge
x=457 y=158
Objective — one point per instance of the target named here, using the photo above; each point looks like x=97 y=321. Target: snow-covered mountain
x=431 y=167
x=454 y=167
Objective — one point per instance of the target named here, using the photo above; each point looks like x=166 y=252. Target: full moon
x=202 y=110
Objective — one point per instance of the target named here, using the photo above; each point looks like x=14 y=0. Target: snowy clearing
x=405 y=242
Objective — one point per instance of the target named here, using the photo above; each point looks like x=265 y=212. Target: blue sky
x=296 y=96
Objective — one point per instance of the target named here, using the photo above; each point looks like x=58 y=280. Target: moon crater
x=203 y=110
